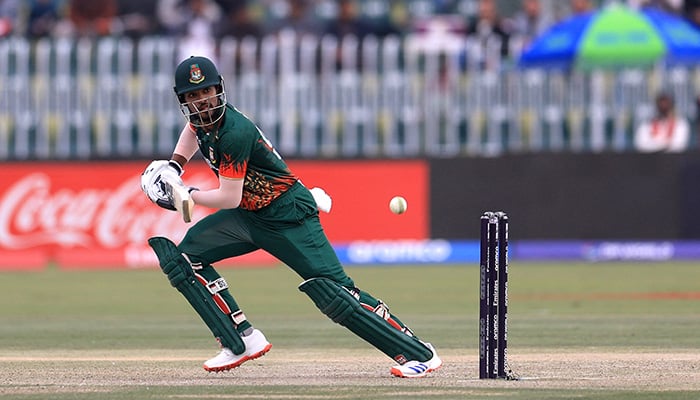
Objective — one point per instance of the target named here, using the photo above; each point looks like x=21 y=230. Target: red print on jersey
x=231 y=169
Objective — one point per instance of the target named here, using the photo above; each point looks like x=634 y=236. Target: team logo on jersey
x=196 y=74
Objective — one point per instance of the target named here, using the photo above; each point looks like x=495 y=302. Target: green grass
x=581 y=307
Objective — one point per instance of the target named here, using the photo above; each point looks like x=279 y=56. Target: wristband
x=176 y=166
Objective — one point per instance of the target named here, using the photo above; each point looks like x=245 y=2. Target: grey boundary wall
x=626 y=196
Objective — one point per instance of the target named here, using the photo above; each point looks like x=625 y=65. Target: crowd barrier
x=322 y=98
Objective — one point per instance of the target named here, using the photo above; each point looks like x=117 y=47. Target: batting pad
x=182 y=277
x=343 y=308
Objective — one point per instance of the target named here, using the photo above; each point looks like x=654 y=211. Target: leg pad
x=182 y=277
x=342 y=307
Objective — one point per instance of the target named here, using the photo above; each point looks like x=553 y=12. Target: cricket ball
x=398 y=205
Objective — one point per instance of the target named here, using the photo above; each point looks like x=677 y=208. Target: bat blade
x=181 y=198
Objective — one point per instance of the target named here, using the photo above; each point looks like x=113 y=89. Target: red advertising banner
x=94 y=215
x=361 y=191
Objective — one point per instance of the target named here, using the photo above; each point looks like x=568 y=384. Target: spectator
x=193 y=22
x=9 y=14
x=42 y=17
x=666 y=131
x=299 y=19
x=395 y=20
x=91 y=18
x=697 y=117
x=488 y=26
x=444 y=6
x=691 y=11
x=237 y=21
x=178 y=16
x=137 y=18
x=580 y=6
x=670 y=6
x=530 y=21
x=348 y=21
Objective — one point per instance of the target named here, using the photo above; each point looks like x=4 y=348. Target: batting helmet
x=197 y=73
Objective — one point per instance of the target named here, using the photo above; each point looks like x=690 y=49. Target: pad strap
x=339 y=304
x=183 y=278
x=216 y=286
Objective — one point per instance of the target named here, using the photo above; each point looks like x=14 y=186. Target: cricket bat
x=181 y=198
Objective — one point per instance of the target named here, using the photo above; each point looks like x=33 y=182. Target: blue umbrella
x=613 y=37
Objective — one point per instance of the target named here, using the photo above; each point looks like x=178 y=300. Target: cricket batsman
x=261 y=204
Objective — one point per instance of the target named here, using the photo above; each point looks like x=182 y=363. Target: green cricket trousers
x=289 y=229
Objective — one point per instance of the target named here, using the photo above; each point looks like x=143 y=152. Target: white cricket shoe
x=255 y=346
x=418 y=369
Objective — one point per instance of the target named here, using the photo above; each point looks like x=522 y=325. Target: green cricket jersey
x=239 y=150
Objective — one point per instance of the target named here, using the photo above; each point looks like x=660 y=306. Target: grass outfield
x=599 y=331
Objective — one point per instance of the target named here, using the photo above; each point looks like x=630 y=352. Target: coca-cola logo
x=34 y=213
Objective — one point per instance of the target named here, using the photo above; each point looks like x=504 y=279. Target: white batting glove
x=152 y=185
x=323 y=200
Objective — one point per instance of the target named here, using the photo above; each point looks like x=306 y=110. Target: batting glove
x=152 y=185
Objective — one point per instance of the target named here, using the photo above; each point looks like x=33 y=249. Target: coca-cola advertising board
x=94 y=215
